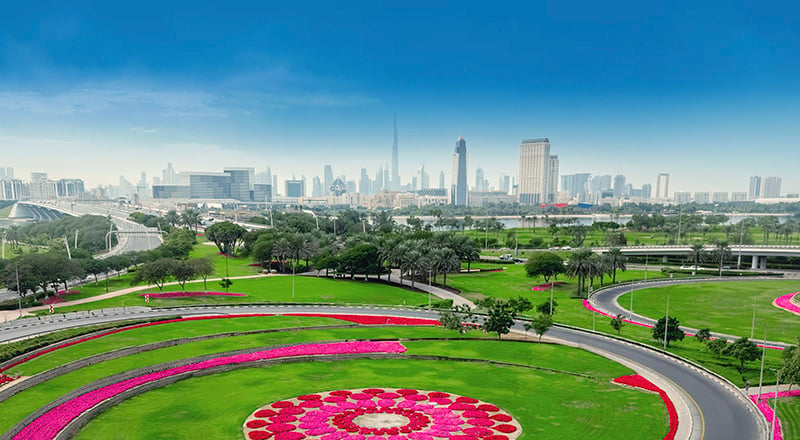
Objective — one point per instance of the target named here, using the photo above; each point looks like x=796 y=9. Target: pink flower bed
x=785 y=302
x=359 y=319
x=189 y=294
x=765 y=409
x=547 y=286
x=637 y=381
x=49 y=424
x=381 y=414
x=6 y=379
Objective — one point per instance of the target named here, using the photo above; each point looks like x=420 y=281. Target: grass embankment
x=584 y=407
x=789 y=414
x=513 y=282
x=725 y=307
x=225 y=266
x=273 y=289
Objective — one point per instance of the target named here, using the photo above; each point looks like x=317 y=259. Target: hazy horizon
x=705 y=92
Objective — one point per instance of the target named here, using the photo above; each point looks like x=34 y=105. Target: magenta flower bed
x=381 y=414
x=765 y=409
x=547 y=286
x=637 y=381
x=189 y=294
x=785 y=302
x=50 y=423
x=359 y=319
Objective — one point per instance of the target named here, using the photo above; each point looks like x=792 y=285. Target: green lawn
x=725 y=307
x=513 y=282
x=789 y=414
x=275 y=289
x=232 y=266
x=583 y=408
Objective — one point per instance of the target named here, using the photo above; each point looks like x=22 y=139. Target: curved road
x=606 y=301
x=722 y=411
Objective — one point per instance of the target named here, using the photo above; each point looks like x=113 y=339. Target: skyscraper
x=755 y=188
x=441 y=180
x=619 y=185
x=534 y=171
x=316 y=187
x=364 y=184
x=377 y=185
x=423 y=179
x=326 y=187
x=771 y=187
x=478 y=180
x=458 y=191
x=662 y=186
x=552 y=179
x=395 y=160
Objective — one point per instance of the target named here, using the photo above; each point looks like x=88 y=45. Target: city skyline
x=633 y=89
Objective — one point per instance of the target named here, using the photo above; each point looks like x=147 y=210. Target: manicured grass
x=236 y=266
x=275 y=289
x=582 y=408
x=725 y=307
x=513 y=282
x=789 y=414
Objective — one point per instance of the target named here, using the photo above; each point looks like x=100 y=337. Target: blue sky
x=706 y=91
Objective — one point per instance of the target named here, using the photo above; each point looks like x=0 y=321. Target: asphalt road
x=726 y=414
x=606 y=301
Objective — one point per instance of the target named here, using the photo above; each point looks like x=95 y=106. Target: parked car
x=506 y=257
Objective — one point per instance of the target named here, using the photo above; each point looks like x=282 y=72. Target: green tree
x=674 y=333
x=703 y=335
x=183 y=271
x=697 y=254
x=743 y=350
x=545 y=264
x=459 y=318
x=226 y=283
x=499 y=316
x=579 y=265
x=155 y=272
x=172 y=217
x=226 y=236
x=445 y=260
x=94 y=267
x=617 y=323
x=545 y=307
x=717 y=346
x=721 y=253
x=540 y=324
x=790 y=371
x=204 y=268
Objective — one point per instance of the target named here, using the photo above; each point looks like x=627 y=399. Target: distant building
x=262 y=192
x=619 y=186
x=719 y=197
x=771 y=187
x=552 y=179
x=70 y=188
x=240 y=182
x=534 y=171
x=575 y=184
x=662 y=186
x=458 y=192
x=209 y=185
x=483 y=198
x=755 y=188
x=14 y=189
x=682 y=197
x=738 y=197
x=295 y=188
x=702 y=197
x=328 y=181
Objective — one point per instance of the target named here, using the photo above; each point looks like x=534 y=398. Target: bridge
x=757 y=253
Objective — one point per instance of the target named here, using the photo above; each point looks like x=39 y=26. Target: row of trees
x=499 y=317
x=91 y=233
x=159 y=271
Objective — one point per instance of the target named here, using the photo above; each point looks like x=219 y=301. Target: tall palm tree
x=697 y=254
x=721 y=252
x=446 y=260
x=579 y=266
x=616 y=260
x=281 y=249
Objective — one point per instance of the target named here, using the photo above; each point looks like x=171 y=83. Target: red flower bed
x=639 y=382
x=6 y=379
x=189 y=294
x=379 y=414
x=371 y=320
x=547 y=286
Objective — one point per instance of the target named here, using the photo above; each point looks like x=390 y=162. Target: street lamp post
x=630 y=310
x=753 y=325
x=763 y=355
x=775 y=401
x=741 y=238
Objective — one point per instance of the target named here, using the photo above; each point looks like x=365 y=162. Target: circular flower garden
x=381 y=414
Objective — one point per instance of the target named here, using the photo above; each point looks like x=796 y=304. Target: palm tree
x=616 y=260
x=191 y=219
x=172 y=217
x=697 y=254
x=721 y=252
x=579 y=266
x=445 y=260
x=281 y=249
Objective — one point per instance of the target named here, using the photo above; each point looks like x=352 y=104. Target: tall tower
x=534 y=171
x=458 y=191
x=552 y=179
x=395 y=160
x=662 y=186
x=327 y=180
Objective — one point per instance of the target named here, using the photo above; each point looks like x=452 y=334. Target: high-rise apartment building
x=575 y=184
x=534 y=165
x=364 y=184
x=619 y=185
x=754 y=191
x=316 y=187
x=738 y=197
x=423 y=179
x=552 y=179
x=295 y=188
x=682 y=197
x=441 y=180
x=771 y=187
x=662 y=186
x=719 y=197
x=702 y=197
x=479 y=180
x=459 y=190
x=505 y=183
